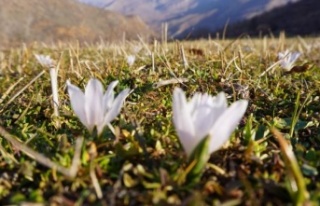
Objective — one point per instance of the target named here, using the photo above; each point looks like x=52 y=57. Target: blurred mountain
x=300 y=18
x=189 y=17
x=63 y=20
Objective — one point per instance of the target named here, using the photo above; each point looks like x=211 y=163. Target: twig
x=170 y=81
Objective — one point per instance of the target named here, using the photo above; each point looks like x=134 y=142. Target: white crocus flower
x=131 y=59
x=94 y=107
x=287 y=59
x=203 y=116
x=45 y=60
x=49 y=63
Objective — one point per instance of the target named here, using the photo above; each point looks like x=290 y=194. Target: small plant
x=131 y=59
x=204 y=124
x=49 y=63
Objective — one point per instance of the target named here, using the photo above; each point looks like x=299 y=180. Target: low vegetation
x=273 y=157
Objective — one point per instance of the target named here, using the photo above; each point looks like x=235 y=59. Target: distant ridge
x=25 y=21
x=188 y=18
x=300 y=18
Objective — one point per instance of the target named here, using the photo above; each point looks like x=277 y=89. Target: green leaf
x=17 y=198
x=285 y=123
x=309 y=170
x=249 y=132
x=129 y=181
x=199 y=158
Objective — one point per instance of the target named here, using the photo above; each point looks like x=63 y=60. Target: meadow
x=272 y=157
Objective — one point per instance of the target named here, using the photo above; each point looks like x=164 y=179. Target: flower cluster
x=203 y=115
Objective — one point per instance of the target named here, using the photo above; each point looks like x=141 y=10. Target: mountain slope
x=300 y=18
x=63 y=20
x=189 y=16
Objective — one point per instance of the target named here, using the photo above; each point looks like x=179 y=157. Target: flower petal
x=226 y=123
x=45 y=60
x=131 y=59
x=220 y=100
x=282 y=55
x=116 y=106
x=294 y=56
x=93 y=103
x=209 y=109
x=108 y=97
x=287 y=59
x=183 y=121
x=77 y=102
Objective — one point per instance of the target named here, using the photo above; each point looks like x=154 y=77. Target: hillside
x=190 y=17
x=300 y=18
x=63 y=20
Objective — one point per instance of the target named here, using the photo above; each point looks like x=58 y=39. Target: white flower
x=205 y=115
x=45 y=60
x=287 y=59
x=136 y=49
x=131 y=59
x=49 y=63
x=93 y=107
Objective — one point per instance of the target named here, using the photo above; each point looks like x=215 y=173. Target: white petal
x=183 y=122
x=220 y=105
x=131 y=59
x=209 y=109
x=294 y=56
x=93 y=103
x=282 y=55
x=203 y=119
x=287 y=59
x=226 y=123
x=77 y=102
x=220 y=100
x=195 y=101
x=116 y=106
x=45 y=60
x=108 y=97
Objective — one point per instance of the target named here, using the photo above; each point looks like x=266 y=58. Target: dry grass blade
x=4 y=96
x=94 y=179
x=269 y=68
x=24 y=88
x=184 y=58
x=295 y=177
x=170 y=81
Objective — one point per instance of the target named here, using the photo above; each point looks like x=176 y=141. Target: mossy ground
x=143 y=163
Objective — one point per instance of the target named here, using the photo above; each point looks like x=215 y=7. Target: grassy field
x=142 y=162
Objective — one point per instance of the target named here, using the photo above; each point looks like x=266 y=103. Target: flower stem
x=54 y=87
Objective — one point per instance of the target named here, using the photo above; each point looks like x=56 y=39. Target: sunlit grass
x=142 y=162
